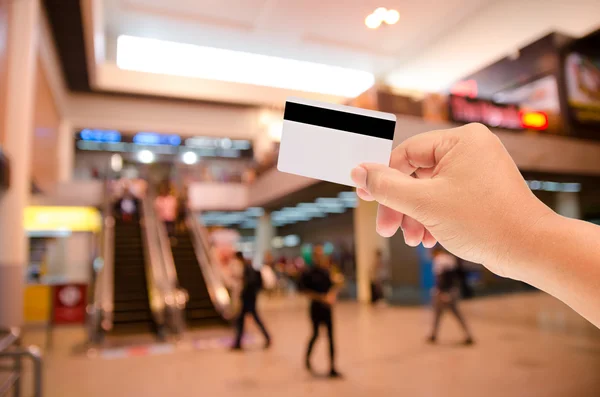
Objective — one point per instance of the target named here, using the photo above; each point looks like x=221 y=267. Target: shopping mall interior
x=151 y=243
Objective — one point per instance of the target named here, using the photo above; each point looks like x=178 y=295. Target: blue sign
x=90 y=135
x=153 y=138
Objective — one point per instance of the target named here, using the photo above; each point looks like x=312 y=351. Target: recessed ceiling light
x=372 y=21
x=380 y=12
x=391 y=17
x=145 y=156
x=380 y=15
x=190 y=158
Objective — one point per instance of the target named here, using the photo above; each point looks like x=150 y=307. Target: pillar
x=264 y=235
x=366 y=242
x=568 y=204
x=66 y=151
x=23 y=24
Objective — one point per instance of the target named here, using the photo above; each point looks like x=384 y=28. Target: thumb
x=392 y=188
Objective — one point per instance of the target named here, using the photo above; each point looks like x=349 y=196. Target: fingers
x=388 y=221
x=413 y=231
x=392 y=188
x=364 y=195
x=428 y=240
x=423 y=150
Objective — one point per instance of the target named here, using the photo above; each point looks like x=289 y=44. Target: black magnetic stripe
x=351 y=122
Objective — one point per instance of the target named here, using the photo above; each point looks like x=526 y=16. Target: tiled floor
x=527 y=345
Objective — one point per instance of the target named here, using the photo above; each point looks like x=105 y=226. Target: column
x=264 y=234
x=23 y=23
x=568 y=204
x=66 y=151
x=366 y=242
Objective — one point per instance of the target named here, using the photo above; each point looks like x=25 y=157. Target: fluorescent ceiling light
x=164 y=57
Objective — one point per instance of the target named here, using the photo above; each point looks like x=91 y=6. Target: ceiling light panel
x=178 y=59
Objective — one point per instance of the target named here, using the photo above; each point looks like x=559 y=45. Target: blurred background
x=138 y=151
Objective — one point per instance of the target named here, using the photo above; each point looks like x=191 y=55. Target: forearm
x=562 y=257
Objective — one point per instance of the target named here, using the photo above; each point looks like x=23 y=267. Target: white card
x=325 y=140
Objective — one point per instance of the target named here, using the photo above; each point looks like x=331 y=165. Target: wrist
x=517 y=252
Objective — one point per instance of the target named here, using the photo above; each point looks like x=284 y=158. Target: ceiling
x=434 y=44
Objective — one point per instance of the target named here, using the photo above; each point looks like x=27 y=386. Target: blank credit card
x=325 y=141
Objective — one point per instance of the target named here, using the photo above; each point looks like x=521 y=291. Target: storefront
x=63 y=246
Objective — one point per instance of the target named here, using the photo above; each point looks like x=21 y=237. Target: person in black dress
x=319 y=286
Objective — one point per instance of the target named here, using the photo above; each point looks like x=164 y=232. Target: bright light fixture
x=178 y=59
x=145 y=156
x=189 y=158
x=116 y=162
x=372 y=21
x=391 y=17
x=380 y=15
x=380 y=12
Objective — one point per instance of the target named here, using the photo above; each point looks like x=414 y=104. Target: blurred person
x=166 y=209
x=127 y=206
x=182 y=209
x=318 y=284
x=446 y=292
x=379 y=275
x=252 y=284
x=233 y=276
x=461 y=187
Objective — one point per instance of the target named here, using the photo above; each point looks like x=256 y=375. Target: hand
x=459 y=187
x=330 y=298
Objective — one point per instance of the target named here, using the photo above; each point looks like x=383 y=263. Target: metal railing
x=215 y=284
x=100 y=310
x=166 y=299
x=11 y=350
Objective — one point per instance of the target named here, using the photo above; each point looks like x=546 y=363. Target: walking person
x=318 y=284
x=379 y=276
x=166 y=209
x=446 y=292
x=252 y=284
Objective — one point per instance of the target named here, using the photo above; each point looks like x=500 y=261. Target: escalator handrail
x=155 y=277
x=175 y=298
x=215 y=284
x=100 y=311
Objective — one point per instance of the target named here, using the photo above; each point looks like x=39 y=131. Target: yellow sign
x=37 y=303
x=75 y=219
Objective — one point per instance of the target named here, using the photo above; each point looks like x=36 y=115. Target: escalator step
x=128 y=317
x=201 y=313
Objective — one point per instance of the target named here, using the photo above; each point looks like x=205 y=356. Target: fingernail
x=359 y=176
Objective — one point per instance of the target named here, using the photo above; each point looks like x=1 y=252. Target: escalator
x=200 y=310
x=135 y=286
x=131 y=308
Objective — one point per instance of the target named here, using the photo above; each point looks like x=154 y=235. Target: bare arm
x=562 y=257
x=460 y=187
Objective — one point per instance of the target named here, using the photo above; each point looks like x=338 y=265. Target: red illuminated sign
x=534 y=120
x=470 y=110
x=68 y=302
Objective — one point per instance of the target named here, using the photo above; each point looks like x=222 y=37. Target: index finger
x=423 y=150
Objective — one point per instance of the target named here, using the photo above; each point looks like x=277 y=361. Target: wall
x=160 y=115
x=3 y=61
x=45 y=139
x=218 y=196
x=274 y=184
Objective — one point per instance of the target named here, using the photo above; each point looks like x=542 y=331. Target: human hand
x=459 y=187
x=330 y=298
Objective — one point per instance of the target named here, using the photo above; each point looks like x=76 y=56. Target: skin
x=461 y=187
